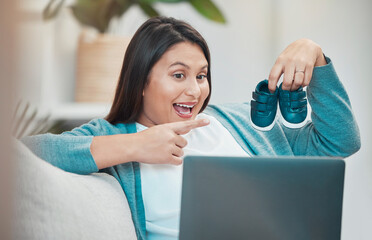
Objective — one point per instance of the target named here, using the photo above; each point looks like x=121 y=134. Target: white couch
x=53 y=204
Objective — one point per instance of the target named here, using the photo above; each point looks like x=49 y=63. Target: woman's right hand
x=163 y=144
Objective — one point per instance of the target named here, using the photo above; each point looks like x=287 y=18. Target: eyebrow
x=185 y=65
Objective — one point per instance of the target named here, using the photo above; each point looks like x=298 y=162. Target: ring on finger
x=303 y=71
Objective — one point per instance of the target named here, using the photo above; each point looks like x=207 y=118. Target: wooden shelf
x=80 y=111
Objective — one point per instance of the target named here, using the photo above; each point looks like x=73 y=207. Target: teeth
x=182 y=105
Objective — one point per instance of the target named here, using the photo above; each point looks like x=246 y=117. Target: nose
x=193 y=89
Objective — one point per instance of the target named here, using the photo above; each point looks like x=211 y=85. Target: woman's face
x=177 y=86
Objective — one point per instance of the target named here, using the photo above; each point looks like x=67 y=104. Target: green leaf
x=99 y=13
x=148 y=9
x=208 y=10
x=124 y=5
x=52 y=9
x=164 y=1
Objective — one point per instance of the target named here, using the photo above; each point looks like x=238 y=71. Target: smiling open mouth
x=184 y=110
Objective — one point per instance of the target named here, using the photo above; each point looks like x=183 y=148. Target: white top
x=161 y=184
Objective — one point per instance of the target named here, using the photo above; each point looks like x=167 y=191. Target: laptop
x=276 y=198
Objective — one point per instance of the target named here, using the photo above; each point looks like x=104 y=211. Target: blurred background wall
x=8 y=24
x=243 y=52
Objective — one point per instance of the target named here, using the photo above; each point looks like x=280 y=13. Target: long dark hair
x=148 y=44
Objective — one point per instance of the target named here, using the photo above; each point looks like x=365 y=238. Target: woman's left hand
x=296 y=62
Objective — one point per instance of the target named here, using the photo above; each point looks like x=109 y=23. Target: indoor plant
x=99 y=59
x=99 y=13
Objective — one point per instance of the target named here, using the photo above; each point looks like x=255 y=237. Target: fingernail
x=205 y=120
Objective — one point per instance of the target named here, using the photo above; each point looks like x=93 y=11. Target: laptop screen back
x=262 y=198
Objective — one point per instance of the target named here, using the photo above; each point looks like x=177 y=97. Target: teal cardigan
x=333 y=131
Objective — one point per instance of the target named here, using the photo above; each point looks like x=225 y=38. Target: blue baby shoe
x=293 y=107
x=264 y=106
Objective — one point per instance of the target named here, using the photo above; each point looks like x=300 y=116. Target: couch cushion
x=53 y=204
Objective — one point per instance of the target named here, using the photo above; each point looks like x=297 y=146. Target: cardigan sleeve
x=70 y=150
x=333 y=130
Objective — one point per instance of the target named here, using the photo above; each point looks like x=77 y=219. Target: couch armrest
x=53 y=204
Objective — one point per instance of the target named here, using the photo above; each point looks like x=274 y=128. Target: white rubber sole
x=293 y=125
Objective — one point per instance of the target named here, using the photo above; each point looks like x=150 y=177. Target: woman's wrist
x=111 y=150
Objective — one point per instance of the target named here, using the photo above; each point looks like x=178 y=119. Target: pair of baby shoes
x=292 y=105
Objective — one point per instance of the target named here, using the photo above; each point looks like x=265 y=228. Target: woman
x=160 y=113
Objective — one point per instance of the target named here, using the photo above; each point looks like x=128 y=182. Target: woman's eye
x=201 y=77
x=178 y=75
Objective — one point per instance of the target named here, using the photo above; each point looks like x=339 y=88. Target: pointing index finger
x=186 y=126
